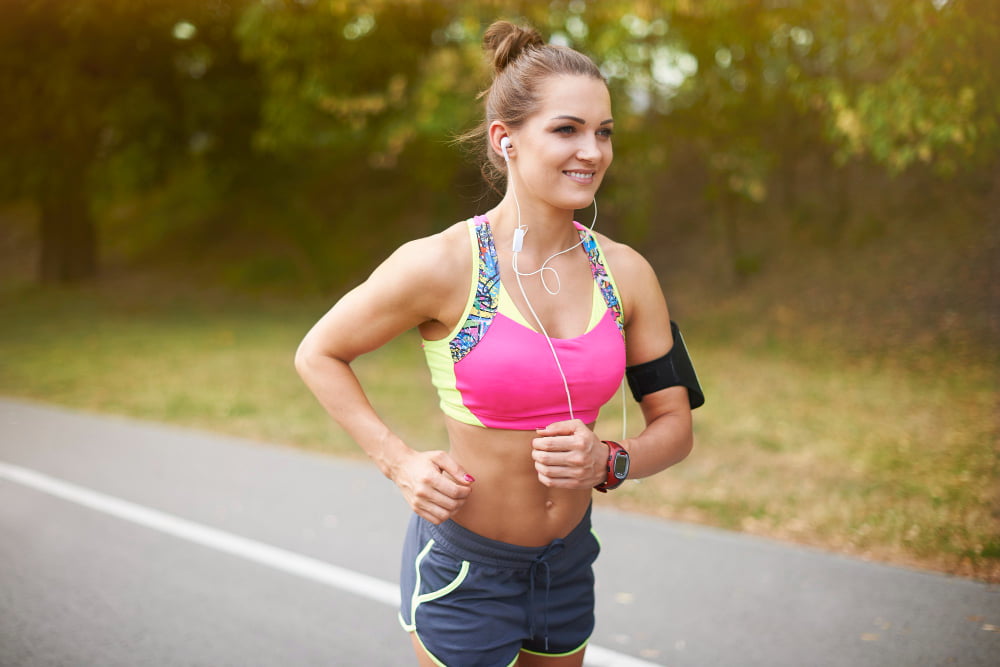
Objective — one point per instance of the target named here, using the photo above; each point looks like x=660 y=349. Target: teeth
x=579 y=174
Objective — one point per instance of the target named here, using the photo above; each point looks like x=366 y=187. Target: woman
x=525 y=331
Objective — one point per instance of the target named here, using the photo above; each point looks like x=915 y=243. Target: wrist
x=616 y=467
x=392 y=455
x=602 y=451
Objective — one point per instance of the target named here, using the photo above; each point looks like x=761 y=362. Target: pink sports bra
x=495 y=370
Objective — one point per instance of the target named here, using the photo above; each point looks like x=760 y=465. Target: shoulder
x=427 y=278
x=630 y=269
x=647 y=319
x=431 y=260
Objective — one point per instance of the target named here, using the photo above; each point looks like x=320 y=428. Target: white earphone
x=504 y=145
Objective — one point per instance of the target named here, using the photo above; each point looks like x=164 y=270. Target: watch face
x=620 y=469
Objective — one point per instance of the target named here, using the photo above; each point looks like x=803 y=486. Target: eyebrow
x=582 y=121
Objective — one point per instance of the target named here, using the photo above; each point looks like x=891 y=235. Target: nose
x=589 y=150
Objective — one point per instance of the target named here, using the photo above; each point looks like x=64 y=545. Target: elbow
x=304 y=360
x=313 y=361
x=686 y=442
x=682 y=441
x=686 y=446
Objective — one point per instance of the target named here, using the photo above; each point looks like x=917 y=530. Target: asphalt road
x=128 y=543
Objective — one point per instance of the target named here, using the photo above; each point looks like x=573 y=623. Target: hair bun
x=506 y=42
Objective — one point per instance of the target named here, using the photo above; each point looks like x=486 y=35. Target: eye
x=605 y=132
x=565 y=129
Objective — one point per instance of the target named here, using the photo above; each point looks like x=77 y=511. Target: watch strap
x=611 y=482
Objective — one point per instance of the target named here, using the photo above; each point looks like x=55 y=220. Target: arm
x=568 y=454
x=412 y=287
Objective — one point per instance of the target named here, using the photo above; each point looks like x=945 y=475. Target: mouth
x=582 y=177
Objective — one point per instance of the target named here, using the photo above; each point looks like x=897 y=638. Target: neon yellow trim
x=474 y=252
x=597 y=309
x=506 y=307
x=403 y=624
x=442 y=368
x=416 y=600
x=596 y=537
x=456 y=582
x=438 y=352
x=559 y=655
x=598 y=306
x=441 y=664
x=429 y=654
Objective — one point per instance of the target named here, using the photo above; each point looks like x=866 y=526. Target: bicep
x=647 y=324
x=648 y=337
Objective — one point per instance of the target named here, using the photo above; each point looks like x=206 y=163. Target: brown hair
x=521 y=61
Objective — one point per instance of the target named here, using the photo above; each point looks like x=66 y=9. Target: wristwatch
x=618 y=463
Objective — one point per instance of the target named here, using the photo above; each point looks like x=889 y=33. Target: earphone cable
x=544 y=267
x=548 y=339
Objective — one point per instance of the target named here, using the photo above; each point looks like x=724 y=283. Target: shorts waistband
x=467 y=545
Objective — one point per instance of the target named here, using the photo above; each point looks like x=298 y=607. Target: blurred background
x=186 y=185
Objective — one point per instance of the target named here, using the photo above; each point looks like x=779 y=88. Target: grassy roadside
x=857 y=455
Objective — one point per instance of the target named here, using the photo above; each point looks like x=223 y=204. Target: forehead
x=573 y=95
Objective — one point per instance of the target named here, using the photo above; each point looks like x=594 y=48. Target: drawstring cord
x=542 y=561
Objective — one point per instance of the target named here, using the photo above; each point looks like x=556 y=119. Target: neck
x=548 y=229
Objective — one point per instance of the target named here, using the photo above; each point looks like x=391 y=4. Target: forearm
x=666 y=441
x=337 y=389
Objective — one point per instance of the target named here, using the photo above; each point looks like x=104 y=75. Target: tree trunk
x=68 y=232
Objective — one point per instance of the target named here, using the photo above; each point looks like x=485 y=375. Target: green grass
x=861 y=455
x=216 y=363
x=888 y=464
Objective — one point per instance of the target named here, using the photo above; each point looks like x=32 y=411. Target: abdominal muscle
x=508 y=503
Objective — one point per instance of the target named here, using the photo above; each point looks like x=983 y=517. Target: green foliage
x=907 y=82
x=322 y=116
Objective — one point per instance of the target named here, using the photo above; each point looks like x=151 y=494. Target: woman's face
x=563 y=150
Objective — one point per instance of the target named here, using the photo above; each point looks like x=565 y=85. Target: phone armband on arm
x=671 y=370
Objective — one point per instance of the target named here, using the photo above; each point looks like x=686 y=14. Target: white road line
x=279 y=559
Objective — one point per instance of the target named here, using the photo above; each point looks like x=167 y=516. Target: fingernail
x=470 y=478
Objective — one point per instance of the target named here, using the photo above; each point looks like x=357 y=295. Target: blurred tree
x=907 y=82
x=110 y=95
x=309 y=119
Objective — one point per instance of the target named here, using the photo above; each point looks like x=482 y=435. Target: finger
x=567 y=427
x=431 y=483
x=561 y=443
x=554 y=443
x=442 y=486
x=571 y=458
x=436 y=503
x=451 y=466
x=433 y=513
x=558 y=477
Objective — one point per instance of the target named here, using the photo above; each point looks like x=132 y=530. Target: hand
x=568 y=455
x=433 y=484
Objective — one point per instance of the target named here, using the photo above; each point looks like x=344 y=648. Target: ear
x=498 y=131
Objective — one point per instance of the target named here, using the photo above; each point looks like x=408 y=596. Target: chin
x=582 y=202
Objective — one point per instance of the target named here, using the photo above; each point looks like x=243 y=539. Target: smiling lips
x=585 y=177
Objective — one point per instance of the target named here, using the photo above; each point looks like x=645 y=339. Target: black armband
x=671 y=370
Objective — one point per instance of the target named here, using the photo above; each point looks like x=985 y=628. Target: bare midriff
x=508 y=503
